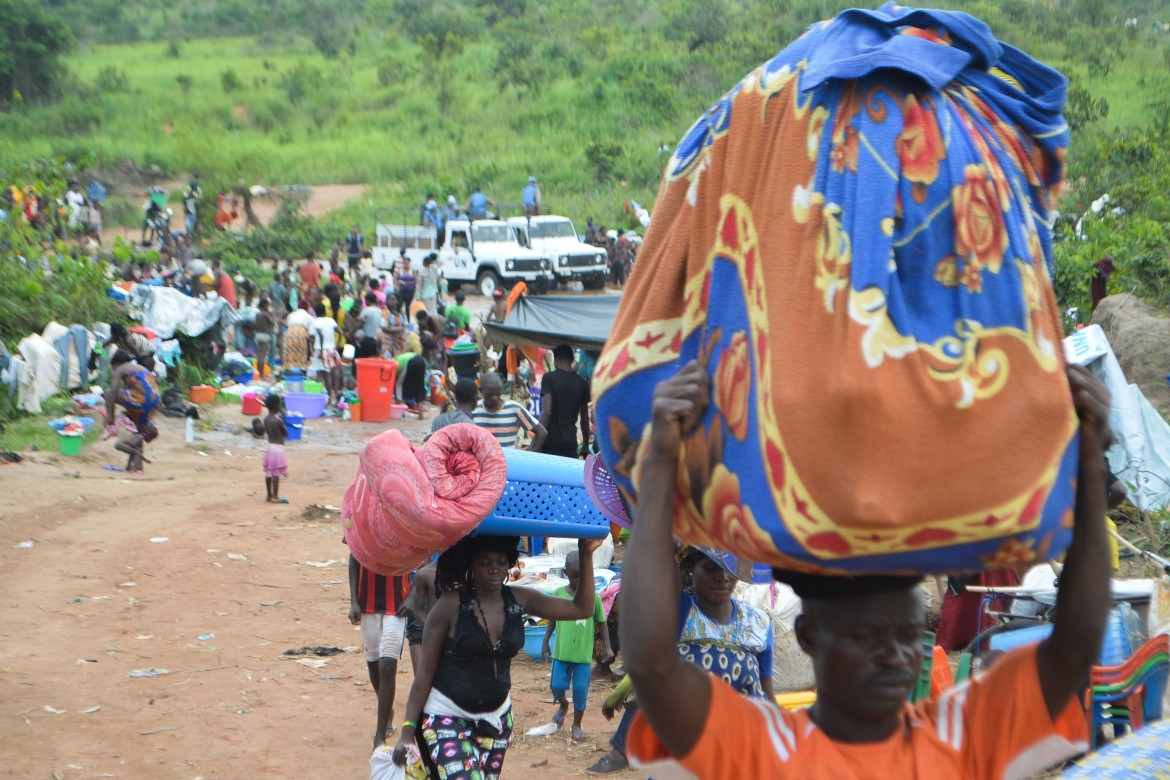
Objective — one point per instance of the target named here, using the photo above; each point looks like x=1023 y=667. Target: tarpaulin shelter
x=167 y=311
x=1141 y=454
x=582 y=322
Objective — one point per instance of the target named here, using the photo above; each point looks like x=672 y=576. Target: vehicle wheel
x=595 y=283
x=540 y=286
x=487 y=281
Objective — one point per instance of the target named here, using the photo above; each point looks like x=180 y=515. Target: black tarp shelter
x=581 y=321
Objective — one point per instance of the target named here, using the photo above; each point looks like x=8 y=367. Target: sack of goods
x=854 y=243
x=404 y=505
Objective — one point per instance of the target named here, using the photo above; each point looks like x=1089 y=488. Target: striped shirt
x=505 y=423
x=379 y=594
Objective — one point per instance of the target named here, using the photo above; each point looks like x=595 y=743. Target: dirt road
x=323 y=199
x=189 y=571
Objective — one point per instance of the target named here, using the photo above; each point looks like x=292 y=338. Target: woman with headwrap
x=718 y=633
x=460 y=708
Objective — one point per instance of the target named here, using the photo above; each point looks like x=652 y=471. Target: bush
x=290 y=236
x=229 y=81
x=603 y=156
x=30 y=300
x=301 y=82
x=112 y=80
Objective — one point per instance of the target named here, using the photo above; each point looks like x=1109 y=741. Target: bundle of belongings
x=854 y=244
x=407 y=504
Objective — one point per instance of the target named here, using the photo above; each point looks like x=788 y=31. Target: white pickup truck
x=571 y=258
x=485 y=253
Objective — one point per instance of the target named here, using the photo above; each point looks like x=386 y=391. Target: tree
x=441 y=27
x=32 y=41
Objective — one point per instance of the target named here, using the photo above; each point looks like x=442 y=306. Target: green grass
x=23 y=431
x=611 y=72
x=353 y=130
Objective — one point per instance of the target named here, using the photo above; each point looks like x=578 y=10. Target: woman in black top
x=460 y=709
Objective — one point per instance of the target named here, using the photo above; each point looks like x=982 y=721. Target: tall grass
x=523 y=98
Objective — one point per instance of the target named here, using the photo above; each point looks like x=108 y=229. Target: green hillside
x=414 y=96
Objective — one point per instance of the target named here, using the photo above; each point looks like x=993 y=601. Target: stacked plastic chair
x=1129 y=694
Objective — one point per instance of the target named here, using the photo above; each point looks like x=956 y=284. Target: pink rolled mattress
x=404 y=505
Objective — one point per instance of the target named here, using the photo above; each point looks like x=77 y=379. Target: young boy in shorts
x=374 y=603
x=573 y=654
x=275 y=461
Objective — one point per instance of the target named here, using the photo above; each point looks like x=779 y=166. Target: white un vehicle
x=571 y=258
x=484 y=253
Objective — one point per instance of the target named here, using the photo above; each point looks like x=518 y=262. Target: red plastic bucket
x=252 y=405
x=375 y=387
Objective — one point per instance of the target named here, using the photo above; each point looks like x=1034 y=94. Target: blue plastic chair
x=1144 y=675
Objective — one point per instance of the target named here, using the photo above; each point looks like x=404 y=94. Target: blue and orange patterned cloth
x=855 y=243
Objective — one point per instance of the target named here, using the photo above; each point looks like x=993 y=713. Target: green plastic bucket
x=71 y=445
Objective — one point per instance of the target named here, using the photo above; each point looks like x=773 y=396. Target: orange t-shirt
x=996 y=726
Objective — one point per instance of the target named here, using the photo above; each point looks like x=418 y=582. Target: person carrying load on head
x=843 y=303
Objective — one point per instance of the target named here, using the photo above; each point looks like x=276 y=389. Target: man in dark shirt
x=564 y=400
x=355 y=244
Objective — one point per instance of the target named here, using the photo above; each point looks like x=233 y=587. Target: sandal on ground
x=608 y=764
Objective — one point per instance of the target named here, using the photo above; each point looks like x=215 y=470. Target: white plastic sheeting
x=1141 y=456
x=167 y=311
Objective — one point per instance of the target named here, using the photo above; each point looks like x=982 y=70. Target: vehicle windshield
x=557 y=229
x=492 y=233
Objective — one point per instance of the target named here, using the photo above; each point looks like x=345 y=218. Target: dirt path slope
x=236 y=583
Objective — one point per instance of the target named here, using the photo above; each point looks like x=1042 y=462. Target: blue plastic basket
x=545 y=496
x=534 y=641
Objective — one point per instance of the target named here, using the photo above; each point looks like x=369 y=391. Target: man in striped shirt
x=503 y=419
x=374 y=603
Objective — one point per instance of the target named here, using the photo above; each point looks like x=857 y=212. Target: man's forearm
x=354 y=572
x=649 y=620
x=1084 y=597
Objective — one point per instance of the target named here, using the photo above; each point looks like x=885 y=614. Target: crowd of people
x=621 y=249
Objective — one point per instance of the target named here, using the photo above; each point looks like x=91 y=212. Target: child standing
x=573 y=654
x=275 y=462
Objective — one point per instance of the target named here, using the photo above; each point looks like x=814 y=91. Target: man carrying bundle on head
x=865 y=638
x=840 y=356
